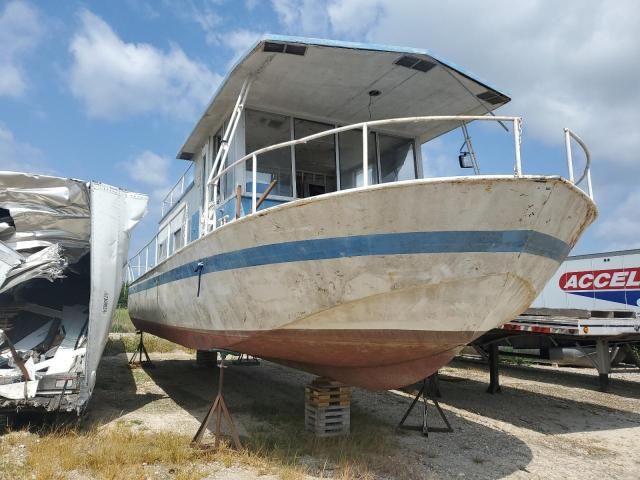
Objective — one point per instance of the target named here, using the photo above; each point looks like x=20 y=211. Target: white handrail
x=389 y=121
x=568 y=135
x=180 y=183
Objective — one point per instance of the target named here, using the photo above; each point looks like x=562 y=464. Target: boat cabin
x=327 y=105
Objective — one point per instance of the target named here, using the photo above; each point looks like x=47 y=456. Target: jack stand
x=426 y=392
x=219 y=407
x=140 y=350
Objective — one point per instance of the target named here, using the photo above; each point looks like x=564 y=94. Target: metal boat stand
x=219 y=407
x=429 y=391
x=140 y=351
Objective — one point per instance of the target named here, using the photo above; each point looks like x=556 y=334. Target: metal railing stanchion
x=254 y=181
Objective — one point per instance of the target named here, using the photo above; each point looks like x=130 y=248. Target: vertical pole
x=156 y=240
x=516 y=137
x=146 y=259
x=494 y=372
x=292 y=136
x=337 y=150
x=254 y=181
x=589 y=186
x=238 y=201
x=182 y=184
x=567 y=144
x=365 y=155
x=139 y=266
x=603 y=363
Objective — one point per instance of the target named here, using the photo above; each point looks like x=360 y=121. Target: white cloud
x=239 y=41
x=20 y=156
x=149 y=168
x=20 y=31
x=309 y=17
x=114 y=78
x=620 y=229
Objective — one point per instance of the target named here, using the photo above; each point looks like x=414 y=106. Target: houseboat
x=306 y=232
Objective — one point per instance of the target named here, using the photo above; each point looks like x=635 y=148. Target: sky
x=109 y=91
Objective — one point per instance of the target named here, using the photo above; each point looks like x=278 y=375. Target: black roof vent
x=284 y=48
x=296 y=49
x=494 y=98
x=273 y=47
x=415 y=63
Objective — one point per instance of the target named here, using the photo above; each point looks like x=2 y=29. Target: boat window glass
x=350 y=148
x=261 y=130
x=178 y=238
x=315 y=160
x=397 y=160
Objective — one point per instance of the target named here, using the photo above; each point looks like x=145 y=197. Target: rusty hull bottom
x=373 y=359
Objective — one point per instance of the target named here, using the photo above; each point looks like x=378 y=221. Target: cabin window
x=350 y=145
x=397 y=160
x=162 y=251
x=315 y=160
x=261 y=130
x=178 y=242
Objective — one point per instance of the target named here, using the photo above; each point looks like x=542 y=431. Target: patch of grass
x=128 y=343
x=121 y=322
x=116 y=453
x=516 y=360
x=277 y=444
x=280 y=439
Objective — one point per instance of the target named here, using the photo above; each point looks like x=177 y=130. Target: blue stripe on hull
x=495 y=241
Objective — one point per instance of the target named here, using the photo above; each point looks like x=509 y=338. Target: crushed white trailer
x=63 y=244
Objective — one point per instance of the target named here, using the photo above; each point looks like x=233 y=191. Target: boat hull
x=376 y=287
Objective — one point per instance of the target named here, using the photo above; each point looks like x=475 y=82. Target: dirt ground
x=546 y=423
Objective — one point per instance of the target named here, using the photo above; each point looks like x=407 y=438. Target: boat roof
x=333 y=81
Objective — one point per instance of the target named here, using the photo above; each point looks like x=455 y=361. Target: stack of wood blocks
x=327 y=407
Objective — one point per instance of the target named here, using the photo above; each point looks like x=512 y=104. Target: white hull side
x=440 y=290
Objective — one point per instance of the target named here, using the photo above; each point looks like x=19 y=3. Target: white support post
x=223 y=150
x=254 y=181
x=156 y=240
x=146 y=259
x=365 y=156
x=139 y=266
x=589 y=186
x=516 y=138
x=567 y=144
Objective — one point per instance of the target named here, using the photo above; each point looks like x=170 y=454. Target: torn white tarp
x=44 y=225
x=48 y=263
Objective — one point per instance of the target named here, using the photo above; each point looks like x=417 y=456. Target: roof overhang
x=337 y=82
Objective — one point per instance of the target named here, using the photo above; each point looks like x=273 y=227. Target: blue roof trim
x=267 y=37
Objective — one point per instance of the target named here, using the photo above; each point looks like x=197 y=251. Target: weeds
x=116 y=453
x=121 y=322
x=128 y=343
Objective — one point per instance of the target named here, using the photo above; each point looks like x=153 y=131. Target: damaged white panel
x=114 y=214
x=63 y=246
x=20 y=390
